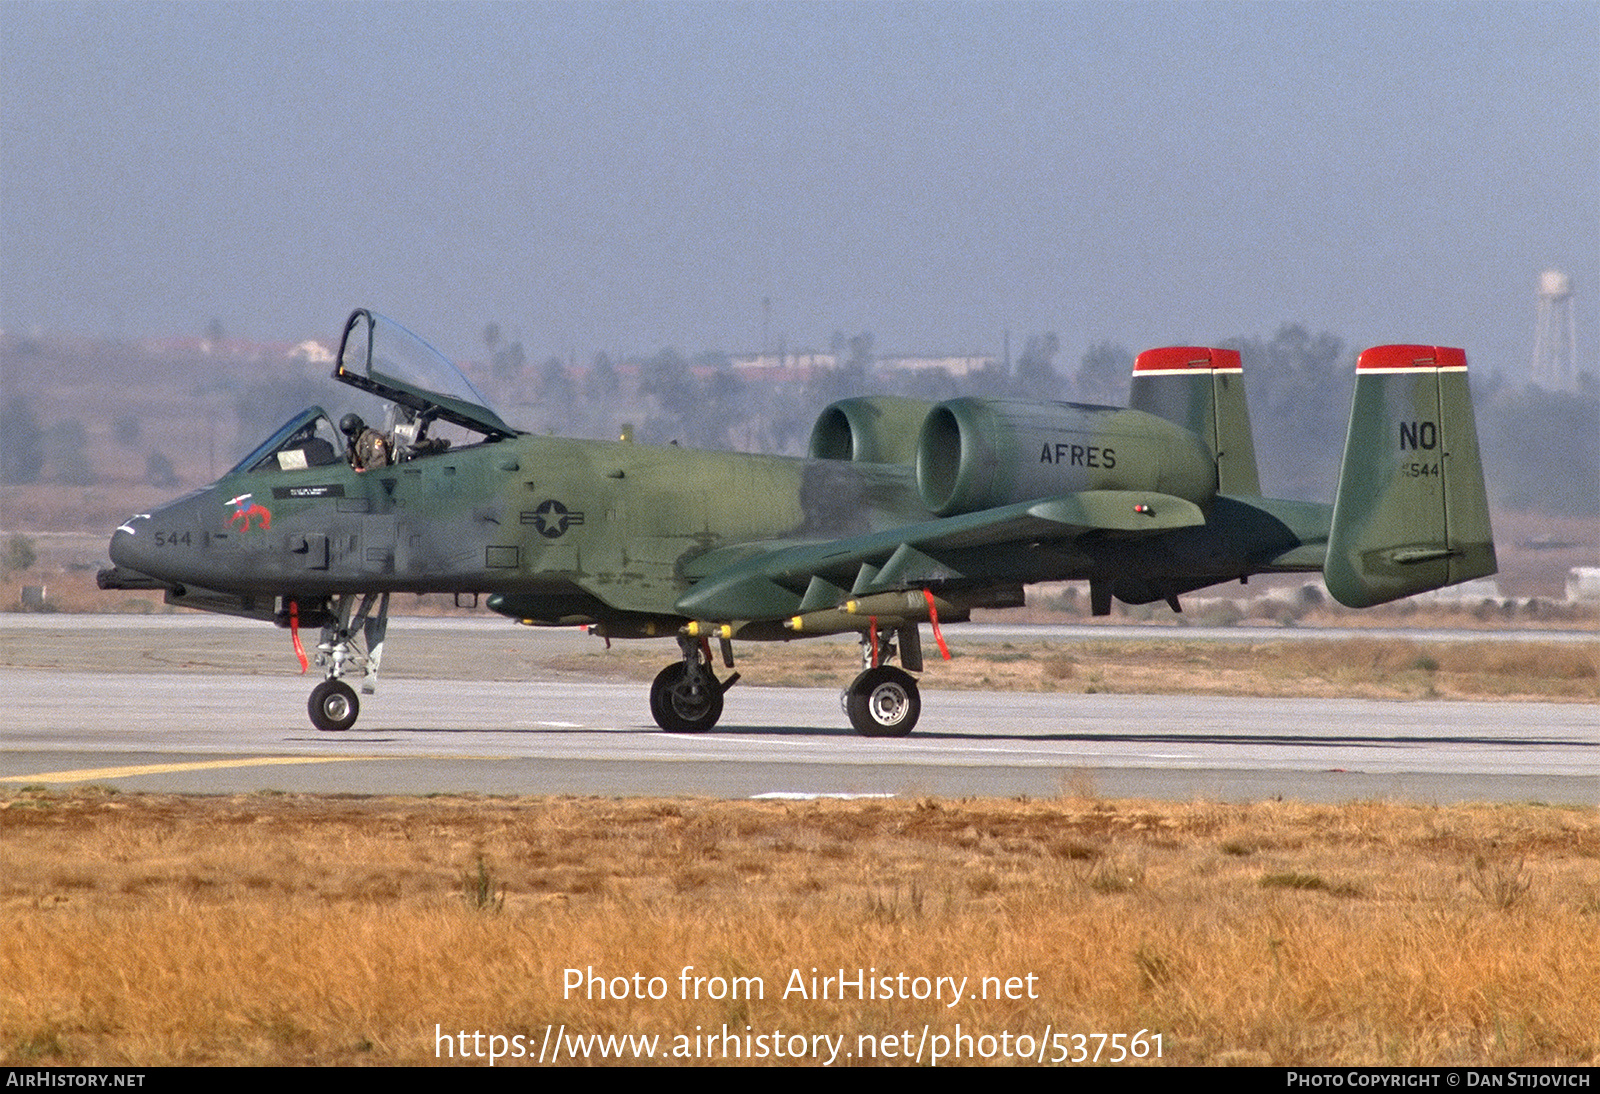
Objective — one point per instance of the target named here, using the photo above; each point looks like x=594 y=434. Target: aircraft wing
x=777 y=580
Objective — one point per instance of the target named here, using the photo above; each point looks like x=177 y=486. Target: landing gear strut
x=883 y=701
x=687 y=696
x=352 y=645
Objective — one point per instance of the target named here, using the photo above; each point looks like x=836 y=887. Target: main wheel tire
x=680 y=706
x=883 y=702
x=333 y=706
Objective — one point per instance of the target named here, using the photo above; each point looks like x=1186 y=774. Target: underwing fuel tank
x=977 y=454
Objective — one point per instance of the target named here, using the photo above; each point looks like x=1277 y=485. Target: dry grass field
x=273 y=929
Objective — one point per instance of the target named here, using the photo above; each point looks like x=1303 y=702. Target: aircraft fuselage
x=526 y=515
x=548 y=519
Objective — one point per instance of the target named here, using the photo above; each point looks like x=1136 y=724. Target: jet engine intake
x=977 y=454
x=881 y=429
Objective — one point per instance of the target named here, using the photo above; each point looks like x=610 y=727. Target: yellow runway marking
x=93 y=773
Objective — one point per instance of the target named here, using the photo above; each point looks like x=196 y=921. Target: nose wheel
x=883 y=702
x=333 y=706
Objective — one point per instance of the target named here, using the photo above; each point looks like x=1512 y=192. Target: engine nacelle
x=980 y=453
x=882 y=429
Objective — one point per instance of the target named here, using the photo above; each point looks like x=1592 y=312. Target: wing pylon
x=788 y=579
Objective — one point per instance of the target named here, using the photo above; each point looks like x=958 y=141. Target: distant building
x=955 y=366
x=1583 y=583
x=1483 y=588
x=804 y=361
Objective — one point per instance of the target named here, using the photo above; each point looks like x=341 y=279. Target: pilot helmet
x=351 y=424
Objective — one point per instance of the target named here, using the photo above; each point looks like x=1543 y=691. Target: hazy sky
x=629 y=176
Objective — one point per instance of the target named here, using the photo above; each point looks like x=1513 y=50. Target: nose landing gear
x=352 y=645
x=333 y=706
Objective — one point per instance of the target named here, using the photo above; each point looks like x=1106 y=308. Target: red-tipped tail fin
x=1412 y=512
x=1202 y=389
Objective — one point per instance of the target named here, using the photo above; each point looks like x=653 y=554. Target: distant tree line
x=1541 y=448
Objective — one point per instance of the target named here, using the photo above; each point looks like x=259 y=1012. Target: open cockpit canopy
x=377 y=354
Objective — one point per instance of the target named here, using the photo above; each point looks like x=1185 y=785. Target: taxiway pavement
x=146 y=723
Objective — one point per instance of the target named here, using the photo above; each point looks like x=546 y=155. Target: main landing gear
x=883 y=701
x=687 y=696
x=352 y=645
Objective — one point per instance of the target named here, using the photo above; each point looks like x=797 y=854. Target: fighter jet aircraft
x=904 y=514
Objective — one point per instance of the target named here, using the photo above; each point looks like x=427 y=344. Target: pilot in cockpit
x=366 y=447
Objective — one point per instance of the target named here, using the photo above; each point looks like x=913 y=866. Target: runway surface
x=141 y=725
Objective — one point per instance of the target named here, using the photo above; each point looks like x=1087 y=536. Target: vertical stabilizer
x=1412 y=513
x=1202 y=390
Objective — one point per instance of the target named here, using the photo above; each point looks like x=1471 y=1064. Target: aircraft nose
x=127 y=544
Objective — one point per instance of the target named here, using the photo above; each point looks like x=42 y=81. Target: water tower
x=1554 y=354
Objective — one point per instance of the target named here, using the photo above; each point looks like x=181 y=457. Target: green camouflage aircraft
x=904 y=513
